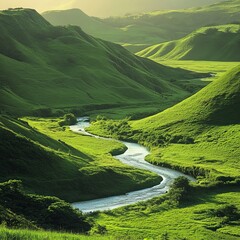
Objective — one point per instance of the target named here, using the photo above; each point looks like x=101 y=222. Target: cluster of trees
x=156 y=138
x=122 y=130
x=119 y=129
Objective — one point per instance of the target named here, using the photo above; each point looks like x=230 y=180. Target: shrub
x=228 y=212
x=180 y=190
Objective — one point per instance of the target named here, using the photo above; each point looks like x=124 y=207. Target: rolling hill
x=62 y=67
x=216 y=43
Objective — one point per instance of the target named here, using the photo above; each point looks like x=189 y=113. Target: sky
x=102 y=8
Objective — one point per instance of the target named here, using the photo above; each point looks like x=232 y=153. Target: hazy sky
x=101 y=8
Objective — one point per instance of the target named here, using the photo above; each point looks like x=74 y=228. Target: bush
x=62 y=216
x=180 y=190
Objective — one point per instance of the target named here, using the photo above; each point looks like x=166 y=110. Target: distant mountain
x=88 y=24
x=106 y=8
x=62 y=67
x=216 y=43
x=161 y=26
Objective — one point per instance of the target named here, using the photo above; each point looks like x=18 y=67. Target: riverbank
x=135 y=157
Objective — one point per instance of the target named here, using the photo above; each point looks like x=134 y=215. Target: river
x=134 y=156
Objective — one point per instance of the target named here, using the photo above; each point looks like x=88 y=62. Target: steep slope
x=161 y=26
x=62 y=67
x=216 y=43
x=215 y=104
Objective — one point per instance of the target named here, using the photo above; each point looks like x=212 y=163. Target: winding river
x=134 y=156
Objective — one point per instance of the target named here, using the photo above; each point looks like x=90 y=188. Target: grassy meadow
x=21 y=234
x=199 y=136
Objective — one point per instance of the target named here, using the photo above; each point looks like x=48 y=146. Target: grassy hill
x=216 y=43
x=161 y=26
x=202 y=131
x=62 y=67
x=217 y=103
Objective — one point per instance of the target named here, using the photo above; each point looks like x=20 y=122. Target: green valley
x=122 y=128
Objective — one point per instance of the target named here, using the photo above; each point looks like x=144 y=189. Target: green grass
x=21 y=234
x=191 y=220
x=215 y=43
x=63 y=68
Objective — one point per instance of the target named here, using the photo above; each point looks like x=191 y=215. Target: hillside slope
x=62 y=67
x=215 y=104
x=216 y=43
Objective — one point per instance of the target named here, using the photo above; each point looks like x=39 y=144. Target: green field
x=13 y=234
x=218 y=68
x=199 y=136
